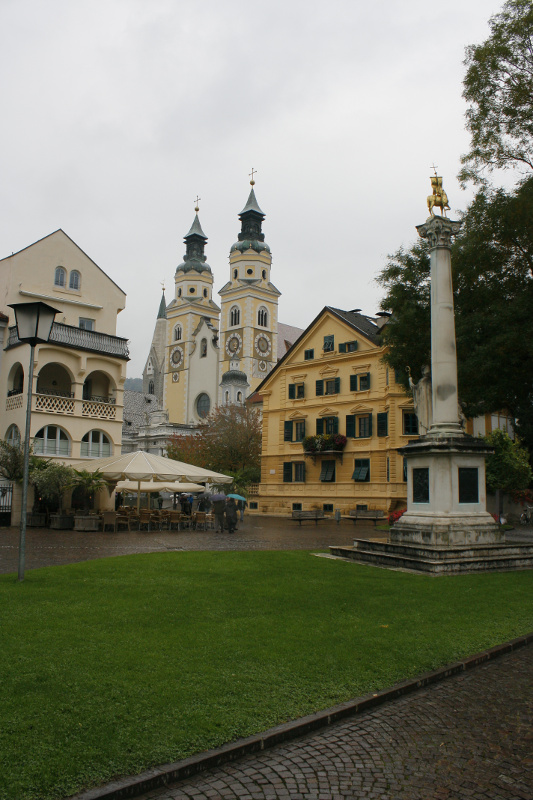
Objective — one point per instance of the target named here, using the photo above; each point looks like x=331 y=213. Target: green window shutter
x=287 y=432
x=342 y=347
x=287 y=472
x=292 y=391
x=353 y=383
x=319 y=388
x=350 y=426
x=335 y=424
x=383 y=424
x=370 y=424
x=320 y=426
x=337 y=385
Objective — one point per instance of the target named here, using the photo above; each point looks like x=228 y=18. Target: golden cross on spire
x=196 y=203
x=163 y=285
x=251 y=174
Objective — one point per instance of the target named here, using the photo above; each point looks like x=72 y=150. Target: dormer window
x=74 y=280
x=60 y=278
x=234 y=316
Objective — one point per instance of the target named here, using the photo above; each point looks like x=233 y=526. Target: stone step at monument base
x=439 y=560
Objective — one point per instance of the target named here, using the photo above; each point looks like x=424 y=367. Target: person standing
x=218 y=510
x=241 y=505
x=231 y=514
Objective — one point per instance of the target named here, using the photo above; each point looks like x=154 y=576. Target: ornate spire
x=251 y=217
x=195 y=241
x=162 y=313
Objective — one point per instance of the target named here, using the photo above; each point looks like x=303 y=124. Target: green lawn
x=112 y=666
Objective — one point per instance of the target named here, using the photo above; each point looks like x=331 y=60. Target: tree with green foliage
x=229 y=441
x=52 y=482
x=498 y=86
x=492 y=265
x=11 y=461
x=508 y=468
x=88 y=484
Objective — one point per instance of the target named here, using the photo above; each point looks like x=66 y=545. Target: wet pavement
x=45 y=547
x=468 y=738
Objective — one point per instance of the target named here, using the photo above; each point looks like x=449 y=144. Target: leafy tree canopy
x=52 y=481
x=507 y=469
x=229 y=441
x=498 y=86
x=492 y=264
x=11 y=461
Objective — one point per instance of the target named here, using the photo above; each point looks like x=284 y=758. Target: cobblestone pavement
x=468 y=738
x=46 y=547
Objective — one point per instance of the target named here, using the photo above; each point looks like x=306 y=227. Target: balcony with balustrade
x=80 y=339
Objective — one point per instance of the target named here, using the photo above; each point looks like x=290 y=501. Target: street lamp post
x=34 y=323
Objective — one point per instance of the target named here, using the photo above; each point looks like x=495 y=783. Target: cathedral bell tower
x=192 y=335
x=249 y=302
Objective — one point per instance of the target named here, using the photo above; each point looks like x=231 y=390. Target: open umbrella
x=140 y=466
x=215 y=497
x=237 y=497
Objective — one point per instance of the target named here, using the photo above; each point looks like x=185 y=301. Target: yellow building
x=332 y=384
x=249 y=304
x=79 y=374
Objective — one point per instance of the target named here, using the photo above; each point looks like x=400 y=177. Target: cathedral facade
x=203 y=355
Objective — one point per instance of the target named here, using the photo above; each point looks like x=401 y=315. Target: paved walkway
x=468 y=738
x=46 y=547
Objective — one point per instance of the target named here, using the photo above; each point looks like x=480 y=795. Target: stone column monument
x=446 y=499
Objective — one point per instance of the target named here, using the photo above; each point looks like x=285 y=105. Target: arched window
x=95 y=444
x=51 y=441
x=177 y=333
x=239 y=397
x=203 y=405
x=264 y=274
x=74 y=280
x=262 y=317
x=151 y=387
x=203 y=348
x=235 y=273
x=179 y=292
x=13 y=436
x=15 y=381
x=60 y=277
x=227 y=398
x=234 y=316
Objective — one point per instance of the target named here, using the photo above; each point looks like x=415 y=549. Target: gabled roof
x=60 y=230
x=359 y=322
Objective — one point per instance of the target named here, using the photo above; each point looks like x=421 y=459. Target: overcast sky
x=117 y=113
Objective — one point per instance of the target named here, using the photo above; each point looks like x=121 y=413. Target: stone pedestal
x=446 y=496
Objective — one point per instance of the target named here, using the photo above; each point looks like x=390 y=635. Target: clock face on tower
x=176 y=357
x=233 y=344
x=262 y=345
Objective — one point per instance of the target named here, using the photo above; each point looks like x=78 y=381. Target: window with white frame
x=95 y=444
x=234 y=316
x=74 y=281
x=86 y=324
x=60 y=277
x=51 y=441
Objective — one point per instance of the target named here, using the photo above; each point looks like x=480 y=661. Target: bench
x=315 y=514
x=374 y=514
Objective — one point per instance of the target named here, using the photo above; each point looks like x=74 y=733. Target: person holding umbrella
x=219 y=505
x=231 y=514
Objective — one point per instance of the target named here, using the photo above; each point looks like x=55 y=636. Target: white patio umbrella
x=140 y=466
x=156 y=486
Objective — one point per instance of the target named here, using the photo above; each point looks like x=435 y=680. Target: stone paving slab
x=45 y=547
x=468 y=738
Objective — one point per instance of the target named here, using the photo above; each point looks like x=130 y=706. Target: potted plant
x=51 y=482
x=86 y=484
